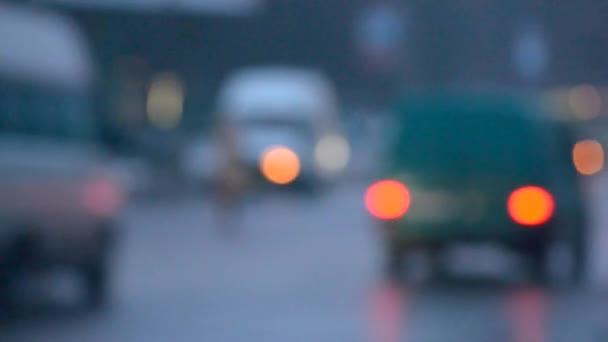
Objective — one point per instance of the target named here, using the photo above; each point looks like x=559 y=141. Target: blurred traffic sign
x=380 y=33
x=530 y=52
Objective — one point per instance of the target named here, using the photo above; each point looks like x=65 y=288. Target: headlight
x=332 y=154
x=280 y=165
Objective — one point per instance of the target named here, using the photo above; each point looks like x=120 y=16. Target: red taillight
x=530 y=206
x=387 y=199
x=102 y=197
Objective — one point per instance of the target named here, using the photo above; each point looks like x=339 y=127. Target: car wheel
x=394 y=264
x=579 y=255
x=95 y=280
x=537 y=261
x=579 y=267
x=413 y=266
x=437 y=264
x=576 y=255
x=6 y=286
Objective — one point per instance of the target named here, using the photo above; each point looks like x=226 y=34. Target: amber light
x=280 y=165
x=588 y=157
x=387 y=199
x=530 y=206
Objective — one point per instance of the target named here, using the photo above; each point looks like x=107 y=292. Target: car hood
x=253 y=143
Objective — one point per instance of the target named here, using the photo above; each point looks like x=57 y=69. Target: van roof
x=458 y=135
x=486 y=101
x=42 y=47
x=277 y=88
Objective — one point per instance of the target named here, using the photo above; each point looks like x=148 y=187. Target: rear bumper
x=39 y=246
x=402 y=235
x=305 y=178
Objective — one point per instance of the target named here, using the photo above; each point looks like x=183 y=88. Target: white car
x=279 y=106
x=59 y=202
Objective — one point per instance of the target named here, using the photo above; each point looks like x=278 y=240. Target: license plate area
x=483 y=259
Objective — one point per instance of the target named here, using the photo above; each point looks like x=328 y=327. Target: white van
x=292 y=107
x=59 y=204
x=276 y=105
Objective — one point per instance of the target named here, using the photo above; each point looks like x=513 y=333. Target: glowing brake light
x=102 y=197
x=387 y=199
x=588 y=157
x=530 y=206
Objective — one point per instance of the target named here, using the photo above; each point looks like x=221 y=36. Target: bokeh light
x=280 y=165
x=165 y=103
x=585 y=102
x=102 y=197
x=387 y=199
x=332 y=154
x=556 y=102
x=530 y=205
x=588 y=157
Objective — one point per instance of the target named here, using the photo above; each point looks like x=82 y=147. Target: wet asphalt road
x=299 y=269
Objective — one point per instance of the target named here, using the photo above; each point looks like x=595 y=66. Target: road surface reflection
x=526 y=309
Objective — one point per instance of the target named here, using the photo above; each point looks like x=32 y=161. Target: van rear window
x=467 y=143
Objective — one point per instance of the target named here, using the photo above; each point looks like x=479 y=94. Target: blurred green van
x=478 y=167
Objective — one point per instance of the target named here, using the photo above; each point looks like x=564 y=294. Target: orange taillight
x=387 y=199
x=530 y=205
